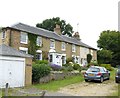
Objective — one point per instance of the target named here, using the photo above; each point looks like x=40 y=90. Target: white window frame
x=73 y=48
x=39 y=41
x=3 y=35
x=26 y=38
x=51 y=42
x=40 y=52
x=24 y=49
x=63 y=46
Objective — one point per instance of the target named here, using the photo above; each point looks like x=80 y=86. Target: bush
x=39 y=71
x=69 y=68
x=76 y=66
x=69 y=60
x=41 y=62
x=56 y=67
x=107 y=66
x=93 y=63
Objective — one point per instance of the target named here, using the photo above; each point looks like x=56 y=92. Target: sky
x=93 y=16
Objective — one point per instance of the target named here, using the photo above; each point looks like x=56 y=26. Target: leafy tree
x=89 y=58
x=110 y=40
x=104 y=56
x=49 y=24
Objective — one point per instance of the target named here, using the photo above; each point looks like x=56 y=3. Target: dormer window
x=73 y=48
x=24 y=38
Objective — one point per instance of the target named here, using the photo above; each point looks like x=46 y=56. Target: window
x=73 y=48
x=63 y=59
x=51 y=58
x=38 y=55
x=24 y=38
x=63 y=47
x=3 y=34
x=23 y=49
x=39 y=41
x=52 y=44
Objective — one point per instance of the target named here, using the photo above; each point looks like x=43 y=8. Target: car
x=97 y=73
x=117 y=76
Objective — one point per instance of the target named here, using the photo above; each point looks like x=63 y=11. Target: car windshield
x=93 y=69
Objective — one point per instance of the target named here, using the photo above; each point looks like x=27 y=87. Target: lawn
x=56 y=85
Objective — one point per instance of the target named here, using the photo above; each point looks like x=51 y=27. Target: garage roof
x=9 y=51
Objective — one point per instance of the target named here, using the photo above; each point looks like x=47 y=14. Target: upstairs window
x=3 y=35
x=24 y=38
x=73 y=48
x=52 y=44
x=39 y=41
x=63 y=47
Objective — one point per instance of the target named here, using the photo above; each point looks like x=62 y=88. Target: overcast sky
x=93 y=16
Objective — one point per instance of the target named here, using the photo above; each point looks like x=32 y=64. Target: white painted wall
x=12 y=71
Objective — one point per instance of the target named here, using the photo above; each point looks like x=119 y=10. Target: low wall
x=58 y=75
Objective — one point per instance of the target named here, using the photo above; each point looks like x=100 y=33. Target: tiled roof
x=48 y=34
x=9 y=51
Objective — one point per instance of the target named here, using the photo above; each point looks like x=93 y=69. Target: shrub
x=76 y=66
x=69 y=68
x=56 y=67
x=107 y=66
x=41 y=62
x=39 y=71
x=89 y=58
x=69 y=60
x=93 y=63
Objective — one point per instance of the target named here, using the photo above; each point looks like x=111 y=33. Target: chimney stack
x=57 y=29
x=76 y=35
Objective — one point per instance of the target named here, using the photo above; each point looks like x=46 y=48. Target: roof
x=9 y=51
x=48 y=34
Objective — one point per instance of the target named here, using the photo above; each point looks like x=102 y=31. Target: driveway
x=90 y=89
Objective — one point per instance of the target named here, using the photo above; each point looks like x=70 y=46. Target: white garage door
x=12 y=71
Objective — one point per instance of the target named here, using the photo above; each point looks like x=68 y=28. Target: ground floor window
x=39 y=56
x=23 y=49
x=63 y=59
x=51 y=58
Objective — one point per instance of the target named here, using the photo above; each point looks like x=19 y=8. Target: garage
x=12 y=67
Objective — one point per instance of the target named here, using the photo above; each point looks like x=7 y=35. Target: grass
x=56 y=85
x=112 y=77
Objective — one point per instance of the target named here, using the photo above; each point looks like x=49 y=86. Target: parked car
x=97 y=73
x=117 y=76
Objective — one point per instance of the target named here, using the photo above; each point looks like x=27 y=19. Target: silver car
x=97 y=73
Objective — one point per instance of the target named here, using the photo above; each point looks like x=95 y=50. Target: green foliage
x=93 y=63
x=104 y=56
x=110 y=40
x=32 y=47
x=89 y=58
x=39 y=70
x=49 y=24
x=67 y=67
x=76 y=66
x=107 y=66
x=41 y=61
x=69 y=60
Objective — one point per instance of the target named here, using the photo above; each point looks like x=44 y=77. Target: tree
x=104 y=56
x=49 y=24
x=89 y=58
x=110 y=40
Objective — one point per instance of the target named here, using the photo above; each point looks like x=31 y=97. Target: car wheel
x=101 y=79
x=86 y=80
